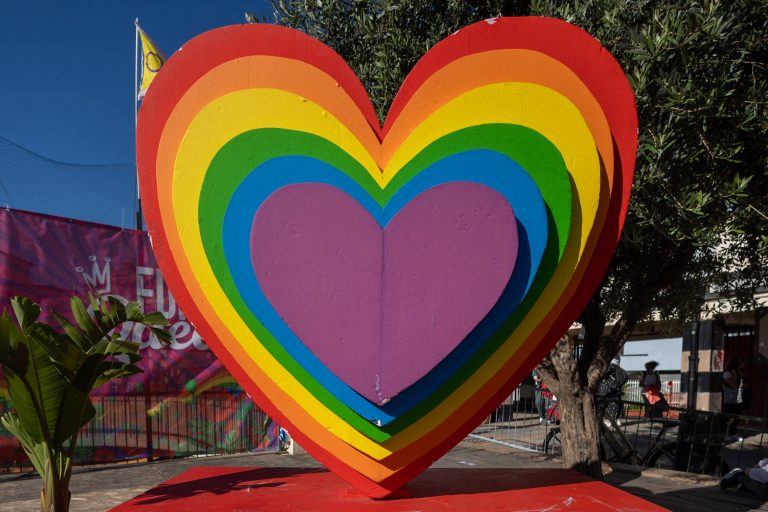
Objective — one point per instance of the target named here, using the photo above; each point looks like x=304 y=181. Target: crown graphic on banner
x=99 y=279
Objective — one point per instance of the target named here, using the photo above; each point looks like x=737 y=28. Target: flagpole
x=135 y=72
x=136 y=114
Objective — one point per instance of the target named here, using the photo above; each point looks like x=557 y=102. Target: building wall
x=665 y=351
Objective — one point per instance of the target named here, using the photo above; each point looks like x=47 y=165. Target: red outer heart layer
x=562 y=41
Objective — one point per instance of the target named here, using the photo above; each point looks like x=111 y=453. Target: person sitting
x=753 y=479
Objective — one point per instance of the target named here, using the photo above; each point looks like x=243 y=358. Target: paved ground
x=103 y=488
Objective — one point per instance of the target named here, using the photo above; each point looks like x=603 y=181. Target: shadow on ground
x=675 y=496
x=447 y=482
x=212 y=481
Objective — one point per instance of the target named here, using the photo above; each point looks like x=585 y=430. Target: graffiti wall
x=50 y=259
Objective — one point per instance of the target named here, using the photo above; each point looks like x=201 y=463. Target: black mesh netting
x=96 y=193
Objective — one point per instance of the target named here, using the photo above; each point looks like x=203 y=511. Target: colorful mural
x=49 y=259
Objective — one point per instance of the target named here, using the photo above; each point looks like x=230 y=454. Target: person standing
x=540 y=397
x=733 y=388
x=735 y=391
x=650 y=382
x=609 y=392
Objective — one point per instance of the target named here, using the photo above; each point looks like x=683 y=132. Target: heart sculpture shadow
x=378 y=291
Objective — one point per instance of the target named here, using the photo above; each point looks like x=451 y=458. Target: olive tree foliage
x=382 y=40
x=698 y=217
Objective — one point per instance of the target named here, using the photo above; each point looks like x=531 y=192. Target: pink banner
x=50 y=259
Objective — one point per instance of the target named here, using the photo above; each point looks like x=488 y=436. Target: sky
x=66 y=89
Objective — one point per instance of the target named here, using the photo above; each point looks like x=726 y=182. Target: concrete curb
x=666 y=474
x=31 y=473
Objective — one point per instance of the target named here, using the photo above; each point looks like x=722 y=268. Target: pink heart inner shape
x=381 y=307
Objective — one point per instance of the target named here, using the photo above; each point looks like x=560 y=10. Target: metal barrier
x=517 y=422
x=134 y=428
x=633 y=392
x=140 y=428
x=688 y=440
x=668 y=437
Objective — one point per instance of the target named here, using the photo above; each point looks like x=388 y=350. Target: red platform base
x=306 y=489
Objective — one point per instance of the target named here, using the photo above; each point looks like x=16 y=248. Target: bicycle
x=611 y=438
x=552 y=444
x=690 y=451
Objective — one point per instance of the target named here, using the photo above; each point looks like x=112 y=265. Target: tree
x=50 y=375
x=382 y=40
x=697 y=217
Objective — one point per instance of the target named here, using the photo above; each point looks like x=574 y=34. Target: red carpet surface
x=308 y=489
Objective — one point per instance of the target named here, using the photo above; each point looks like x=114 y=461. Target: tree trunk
x=54 y=500
x=579 y=433
x=55 y=495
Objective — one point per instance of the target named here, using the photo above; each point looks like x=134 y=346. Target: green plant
x=50 y=375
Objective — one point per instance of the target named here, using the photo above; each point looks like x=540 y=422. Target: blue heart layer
x=489 y=168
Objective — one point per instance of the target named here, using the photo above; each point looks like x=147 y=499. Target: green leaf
x=61 y=349
x=95 y=371
x=154 y=318
x=75 y=334
x=162 y=335
x=133 y=312
x=87 y=373
x=83 y=319
x=18 y=358
x=37 y=392
x=37 y=388
x=26 y=311
x=117 y=347
x=98 y=317
x=75 y=412
x=115 y=311
x=6 y=328
x=36 y=451
x=115 y=371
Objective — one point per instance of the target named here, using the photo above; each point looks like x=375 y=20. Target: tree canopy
x=698 y=217
x=382 y=40
x=699 y=74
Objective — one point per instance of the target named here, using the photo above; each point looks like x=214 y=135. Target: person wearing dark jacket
x=609 y=392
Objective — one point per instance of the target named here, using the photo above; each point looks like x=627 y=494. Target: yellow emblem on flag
x=151 y=61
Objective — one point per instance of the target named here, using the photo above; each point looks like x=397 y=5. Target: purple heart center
x=381 y=307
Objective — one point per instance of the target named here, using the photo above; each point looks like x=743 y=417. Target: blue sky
x=67 y=95
x=67 y=82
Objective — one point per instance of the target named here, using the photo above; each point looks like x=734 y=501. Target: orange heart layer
x=536 y=99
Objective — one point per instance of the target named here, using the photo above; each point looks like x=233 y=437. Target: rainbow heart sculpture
x=378 y=291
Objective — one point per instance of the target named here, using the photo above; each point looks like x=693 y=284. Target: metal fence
x=140 y=428
x=516 y=422
x=671 y=438
x=670 y=384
